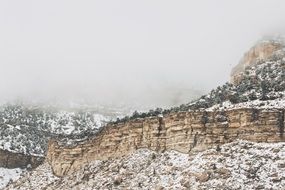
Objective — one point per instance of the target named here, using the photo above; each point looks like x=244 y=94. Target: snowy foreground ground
x=237 y=165
x=7 y=175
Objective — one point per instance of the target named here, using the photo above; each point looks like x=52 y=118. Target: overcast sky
x=126 y=50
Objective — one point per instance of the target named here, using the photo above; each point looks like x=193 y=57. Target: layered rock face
x=202 y=128
x=240 y=165
x=183 y=131
x=262 y=50
x=18 y=160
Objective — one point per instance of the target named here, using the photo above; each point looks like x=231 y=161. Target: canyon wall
x=17 y=160
x=183 y=131
x=262 y=50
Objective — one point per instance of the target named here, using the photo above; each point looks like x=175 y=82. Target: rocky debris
x=223 y=173
x=39 y=178
x=118 y=180
x=238 y=165
x=202 y=177
x=7 y=176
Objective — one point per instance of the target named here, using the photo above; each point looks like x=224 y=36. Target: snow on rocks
x=27 y=129
x=278 y=103
x=9 y=175
x=237 y=165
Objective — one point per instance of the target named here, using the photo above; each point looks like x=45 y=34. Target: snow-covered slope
x=28 y=129
x=237 y=165
x=9 y=175
x=260 y=86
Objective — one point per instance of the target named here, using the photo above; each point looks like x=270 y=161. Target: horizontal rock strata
x=183 y=131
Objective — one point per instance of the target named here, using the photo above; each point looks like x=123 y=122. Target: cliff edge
x=251 y=108
x=261 y=51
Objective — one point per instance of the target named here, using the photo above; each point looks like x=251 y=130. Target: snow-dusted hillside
x=261 y=85
x=237 y=165
x=27 y=129
x=9 y=175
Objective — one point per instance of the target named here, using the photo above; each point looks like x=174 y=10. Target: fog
x=144 y=53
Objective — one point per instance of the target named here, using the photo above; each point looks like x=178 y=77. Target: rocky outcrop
x=17 y=160
x=183 y=131
x=240 y=165
x=191 y=131
x=262 y=50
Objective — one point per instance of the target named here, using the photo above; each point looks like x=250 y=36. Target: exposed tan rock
x=249 y=166
x=159 y=187
x=174 y=131
x=118 y=180
x=202 y=177
x=260 y=51
x=185 y=183
x=223 y=173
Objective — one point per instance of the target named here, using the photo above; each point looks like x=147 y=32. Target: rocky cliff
x=260 y=51
x=251 y=108
x=184 y=132
x=18 y=160
x=240 y=165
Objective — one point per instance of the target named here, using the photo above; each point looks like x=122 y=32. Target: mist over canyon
x=143 y=55
x=142 y=95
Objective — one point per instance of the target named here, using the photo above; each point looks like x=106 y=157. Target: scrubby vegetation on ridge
x=27 y=130
x=264 y=81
